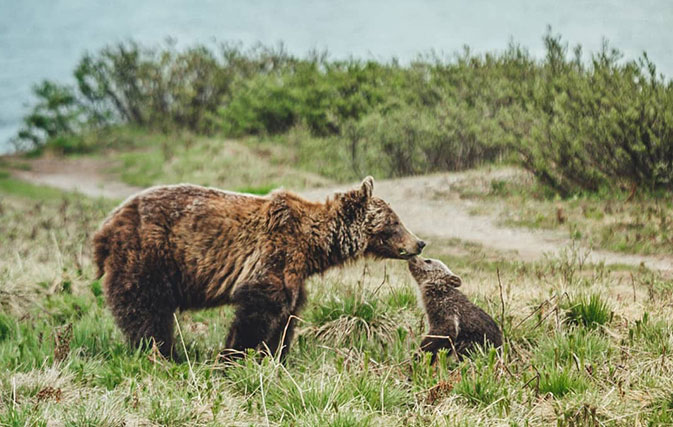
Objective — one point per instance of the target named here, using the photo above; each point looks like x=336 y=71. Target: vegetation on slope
x=585 y=344
x=577 y=126
x=617 y=221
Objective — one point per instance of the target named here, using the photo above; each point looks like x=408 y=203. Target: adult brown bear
x=189 y=247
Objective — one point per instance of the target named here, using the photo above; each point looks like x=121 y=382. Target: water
x=44 y=39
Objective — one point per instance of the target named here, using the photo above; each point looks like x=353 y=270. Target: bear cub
x=450 y=313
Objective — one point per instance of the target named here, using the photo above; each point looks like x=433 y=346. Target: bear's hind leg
x=147 y=327
x=141 y=312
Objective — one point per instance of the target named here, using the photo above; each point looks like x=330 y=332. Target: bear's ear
x=367 y=187
x=454 y=281
x=357 y=198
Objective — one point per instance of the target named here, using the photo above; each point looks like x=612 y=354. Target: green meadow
x=584 y=344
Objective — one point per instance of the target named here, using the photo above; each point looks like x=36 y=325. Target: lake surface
x=44 y=39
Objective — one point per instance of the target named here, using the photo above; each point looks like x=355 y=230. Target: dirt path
x=84 y=175
x=413 y=198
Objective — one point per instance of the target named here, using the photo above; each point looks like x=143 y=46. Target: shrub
x=319 y=94
x=57 y=115
x=606 y=125
x=155 y=89
x=450 y=136
x=263 y=104
x=159 y=89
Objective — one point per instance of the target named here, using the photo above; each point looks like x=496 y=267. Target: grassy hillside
x=619 y=221
x=151 y=158
x=584 y=344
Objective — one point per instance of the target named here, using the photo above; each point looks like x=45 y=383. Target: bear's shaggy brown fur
x=450 y=313
x=189 y=247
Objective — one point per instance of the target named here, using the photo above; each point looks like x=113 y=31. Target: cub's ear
x=367 y=187
x=455 y=281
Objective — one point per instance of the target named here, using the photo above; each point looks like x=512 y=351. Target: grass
x=251 y=166
x=589 y=311
x=11 y=186
x=585 y=343
x=559 y=383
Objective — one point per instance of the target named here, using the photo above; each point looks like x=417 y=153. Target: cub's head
x=385 y=234
x=432 y=272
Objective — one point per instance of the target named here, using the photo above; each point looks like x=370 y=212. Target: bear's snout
x=416 y=267
x=410 y=245
x=415 y=250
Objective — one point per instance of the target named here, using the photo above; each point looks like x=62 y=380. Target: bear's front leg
x=282 y=337
x=261 y=310
x=433 y=345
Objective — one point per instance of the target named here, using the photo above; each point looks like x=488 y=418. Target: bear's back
x=186 y=199
x=203 y=240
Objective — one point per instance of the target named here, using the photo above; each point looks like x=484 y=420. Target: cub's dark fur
x=450 y=313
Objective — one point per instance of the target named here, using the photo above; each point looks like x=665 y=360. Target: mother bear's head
x=385 y=234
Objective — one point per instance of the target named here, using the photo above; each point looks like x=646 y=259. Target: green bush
x=162 y=89
x=606 y=125
x=321 y=95
x=260 y=105
x=57 y=115
x=410 y=141
x=153 y=88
